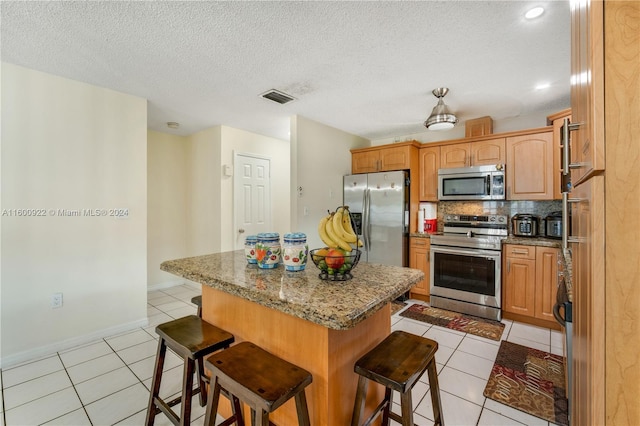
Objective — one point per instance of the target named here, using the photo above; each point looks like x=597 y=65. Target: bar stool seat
x=260 y=379
x=192 y=339
x=397 y=363
x=197 y=300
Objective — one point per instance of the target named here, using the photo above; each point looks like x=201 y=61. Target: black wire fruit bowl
x=335 y=264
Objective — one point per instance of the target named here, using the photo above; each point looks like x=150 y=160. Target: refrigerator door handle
x=365 y=219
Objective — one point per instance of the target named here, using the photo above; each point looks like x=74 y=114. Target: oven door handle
x=495 y=255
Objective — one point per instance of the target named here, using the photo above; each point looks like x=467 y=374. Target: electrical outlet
x=56 y=300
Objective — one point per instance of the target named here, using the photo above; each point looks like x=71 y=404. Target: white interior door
x=251 y=196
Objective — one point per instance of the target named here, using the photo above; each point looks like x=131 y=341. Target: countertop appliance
x=379 y=205
x=466 y=265
x=471 y=183
x=553 y=225
x=525 y=225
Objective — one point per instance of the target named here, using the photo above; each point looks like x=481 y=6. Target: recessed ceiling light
x=173 y=125
x=534 y=13
x=542 y=86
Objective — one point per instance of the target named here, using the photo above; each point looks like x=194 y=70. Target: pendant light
x=440 y=118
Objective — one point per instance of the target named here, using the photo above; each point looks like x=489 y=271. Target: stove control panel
x=477 y=220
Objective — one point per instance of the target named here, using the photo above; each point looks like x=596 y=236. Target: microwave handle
x=488 y=184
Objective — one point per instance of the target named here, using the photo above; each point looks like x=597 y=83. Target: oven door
x=469 y=275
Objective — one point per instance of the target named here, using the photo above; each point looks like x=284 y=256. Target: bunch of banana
x=336 y=231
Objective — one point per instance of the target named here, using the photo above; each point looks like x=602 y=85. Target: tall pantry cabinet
x=605 y=106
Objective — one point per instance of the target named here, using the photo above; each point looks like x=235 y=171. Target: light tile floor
x=107 y=382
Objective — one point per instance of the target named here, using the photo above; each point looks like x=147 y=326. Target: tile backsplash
x=509 y=208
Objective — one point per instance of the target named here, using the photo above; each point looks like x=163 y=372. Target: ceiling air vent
x=276 y=96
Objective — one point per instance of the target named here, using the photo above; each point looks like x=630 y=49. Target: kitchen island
x=322 y=326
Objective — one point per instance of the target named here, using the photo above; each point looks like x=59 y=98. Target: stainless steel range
x=466 y=265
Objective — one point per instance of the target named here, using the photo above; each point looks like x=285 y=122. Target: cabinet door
x=557 y=147
x=429 y=165
x=486 y=153
x=419 y=259
x=457 y=155
x=588 y=278
x=365 y=162
x=530 y=167
x=520 y=286
x=587 y=89
x=546 y=282
x=395 y=158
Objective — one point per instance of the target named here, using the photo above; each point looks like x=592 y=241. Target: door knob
x=241 y=231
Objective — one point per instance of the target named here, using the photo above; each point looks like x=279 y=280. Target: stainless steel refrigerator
x=379 y=204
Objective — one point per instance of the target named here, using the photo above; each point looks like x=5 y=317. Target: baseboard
x=166 y=284
x=174 y=283
x=43 y=351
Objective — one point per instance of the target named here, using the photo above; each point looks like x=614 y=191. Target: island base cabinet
x=329 y=355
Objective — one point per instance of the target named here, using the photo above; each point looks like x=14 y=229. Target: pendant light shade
x=440 y=118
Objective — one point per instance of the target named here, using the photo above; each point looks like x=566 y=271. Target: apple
x=335 y=258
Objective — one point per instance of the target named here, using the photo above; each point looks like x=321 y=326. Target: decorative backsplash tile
x=509 y=208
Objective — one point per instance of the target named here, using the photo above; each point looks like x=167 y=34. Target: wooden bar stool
x=192 y=339
x=260 y=379
x=197 y=300
x=397 y=363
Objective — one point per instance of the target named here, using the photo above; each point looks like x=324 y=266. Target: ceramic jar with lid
x=268 y=250
x=250 y=248
x=295 y=251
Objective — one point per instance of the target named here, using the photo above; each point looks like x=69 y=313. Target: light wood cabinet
x=365 y=162
x=530 y=166
x=480 y=153
x=419 y=258
x=381 y=159
x=429 y=165
x=587 y=89
x=556 y=121
x=520 y=280
x=530 y=282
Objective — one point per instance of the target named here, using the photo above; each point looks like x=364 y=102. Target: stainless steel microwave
x=472 y=183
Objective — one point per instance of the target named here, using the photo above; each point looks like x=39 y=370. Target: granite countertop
x=533 y=241
x=338 y=305
x=419 y=235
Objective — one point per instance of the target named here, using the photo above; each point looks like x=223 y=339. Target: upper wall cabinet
x=587 y=89
x=481 y=153
x=530 y=167
x=429 y=165
x=370 y=160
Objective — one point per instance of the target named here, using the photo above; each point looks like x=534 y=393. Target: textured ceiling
x=364 y=67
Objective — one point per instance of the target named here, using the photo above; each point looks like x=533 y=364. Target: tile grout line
x=75 y=390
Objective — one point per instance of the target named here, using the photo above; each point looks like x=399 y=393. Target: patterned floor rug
x=529 y=380
x=455 y=321
x=396 y=306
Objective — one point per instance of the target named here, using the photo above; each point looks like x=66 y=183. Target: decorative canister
x=268 y=250
x=295 y=251
x=250 y=248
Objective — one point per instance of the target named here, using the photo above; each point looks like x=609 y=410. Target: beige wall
x=70 y=145
x=320 y=157
x=167 y=200
x=277 y=151
x=203 y=181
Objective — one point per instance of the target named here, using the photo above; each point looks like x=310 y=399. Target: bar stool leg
x=187 y=392
x=387 y=406
x=407 y=408
x=212 y=404
x=302 y=409
x=358 y=407
x=201 y=382
x=155 y=383
x=435 y=396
